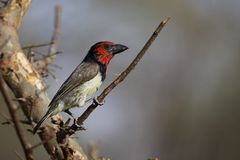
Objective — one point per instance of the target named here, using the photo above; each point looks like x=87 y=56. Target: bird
x=84 y=81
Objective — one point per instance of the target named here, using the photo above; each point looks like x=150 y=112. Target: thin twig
x=56 y=32
x=18 y=155
x=38 y=144
x=37 y=45
x=123 y=75
x=49 y=56
x=11 y=107
x=62 y=134
x=8 y=120
x=55 y=66
x=41 y=143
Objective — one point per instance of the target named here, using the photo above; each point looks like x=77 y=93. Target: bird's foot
x=95 y=100
x=67 y=122
x=54 y=121
x=64 y=125
x=88 y=100
x=77 y=126
x=69 y=113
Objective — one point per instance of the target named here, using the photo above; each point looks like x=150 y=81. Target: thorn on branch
x=27 y=122
x=6 y=123
x=7 y=119
x=56 y=66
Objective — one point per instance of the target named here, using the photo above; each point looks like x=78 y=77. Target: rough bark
x=26 y=83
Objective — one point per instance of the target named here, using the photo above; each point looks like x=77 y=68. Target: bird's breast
x=91 y=86
x=83 y=92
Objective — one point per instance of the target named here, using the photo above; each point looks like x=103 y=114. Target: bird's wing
x=83 y=73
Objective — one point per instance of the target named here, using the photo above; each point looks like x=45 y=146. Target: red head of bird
x=103 y=52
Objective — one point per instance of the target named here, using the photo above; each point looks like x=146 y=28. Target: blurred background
x=181 y=102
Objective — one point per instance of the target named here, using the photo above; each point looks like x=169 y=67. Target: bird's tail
x=40 y=122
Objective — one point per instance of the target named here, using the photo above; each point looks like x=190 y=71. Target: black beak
x=118 y=48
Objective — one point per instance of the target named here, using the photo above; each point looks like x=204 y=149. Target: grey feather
x=83 y=73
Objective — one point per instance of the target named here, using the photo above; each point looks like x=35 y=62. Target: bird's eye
x=106 y=47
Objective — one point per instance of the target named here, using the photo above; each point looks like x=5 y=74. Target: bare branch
x=11 y=107
x=56 y=32
x=123 y=75
x=77 y=126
